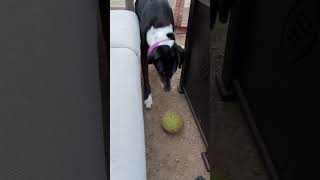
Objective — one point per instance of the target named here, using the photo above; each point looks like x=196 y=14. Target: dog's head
x=166 y=60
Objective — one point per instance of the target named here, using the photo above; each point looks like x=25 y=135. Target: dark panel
x=278 y=77
x=50 y=102
x=196 y=73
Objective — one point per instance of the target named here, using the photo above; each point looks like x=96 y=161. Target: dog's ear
x=155 y=54
x=171 y=36
x=181 y=55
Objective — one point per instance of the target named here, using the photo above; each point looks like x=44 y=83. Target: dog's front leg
x=145 y=73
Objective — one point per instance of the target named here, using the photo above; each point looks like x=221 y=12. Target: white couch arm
x=127 y=143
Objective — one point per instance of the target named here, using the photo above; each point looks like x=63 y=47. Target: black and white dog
x=158 y=44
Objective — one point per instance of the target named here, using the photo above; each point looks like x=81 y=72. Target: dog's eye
x=166 y=73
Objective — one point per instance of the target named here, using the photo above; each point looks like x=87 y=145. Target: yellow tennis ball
x=172 y=122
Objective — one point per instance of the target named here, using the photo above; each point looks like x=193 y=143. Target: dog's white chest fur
x=156 y=34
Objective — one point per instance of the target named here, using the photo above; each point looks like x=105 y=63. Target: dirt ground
x=172 y=157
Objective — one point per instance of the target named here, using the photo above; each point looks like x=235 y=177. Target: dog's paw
x=148 y=102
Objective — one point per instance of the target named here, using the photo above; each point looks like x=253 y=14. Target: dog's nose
x=167 y=88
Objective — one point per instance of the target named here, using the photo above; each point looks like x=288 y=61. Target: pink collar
x=156 y=44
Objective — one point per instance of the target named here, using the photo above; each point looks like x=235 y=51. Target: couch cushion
x=124 y=30
x=127 y=143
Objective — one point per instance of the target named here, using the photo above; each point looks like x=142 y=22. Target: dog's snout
x=167 y=88
x=165 y=84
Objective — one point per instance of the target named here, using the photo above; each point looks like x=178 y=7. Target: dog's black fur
x=157 y=13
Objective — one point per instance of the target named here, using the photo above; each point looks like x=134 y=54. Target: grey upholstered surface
x=50 y=112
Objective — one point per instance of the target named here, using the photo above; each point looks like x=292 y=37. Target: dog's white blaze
x=148 y=102
x=156 y=34
x=161 y=84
